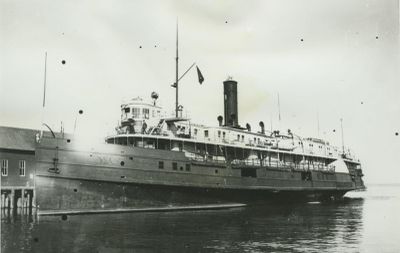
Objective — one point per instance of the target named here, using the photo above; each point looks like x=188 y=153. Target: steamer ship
x=153 y=160
x=157 y=161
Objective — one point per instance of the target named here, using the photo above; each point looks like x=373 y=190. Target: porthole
x=122 y=163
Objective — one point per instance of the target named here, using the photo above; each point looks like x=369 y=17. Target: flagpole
x=341 y=126
x=177 y=73
x=279 y=111
x=44 y=94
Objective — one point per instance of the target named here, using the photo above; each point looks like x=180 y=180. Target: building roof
x=17 y=138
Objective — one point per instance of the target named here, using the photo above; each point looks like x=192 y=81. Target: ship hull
x=73 y=194
x=70 y=178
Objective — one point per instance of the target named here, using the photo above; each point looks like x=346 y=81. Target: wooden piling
x=12 y=195
x=23 y=198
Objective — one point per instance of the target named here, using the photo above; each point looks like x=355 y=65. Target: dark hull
x=120 y=177
x=66 y=194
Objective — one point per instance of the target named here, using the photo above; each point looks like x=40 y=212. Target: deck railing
x=259 y=163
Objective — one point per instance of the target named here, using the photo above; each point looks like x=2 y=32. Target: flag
x=201 y=78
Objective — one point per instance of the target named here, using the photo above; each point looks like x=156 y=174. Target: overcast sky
x=334 y=58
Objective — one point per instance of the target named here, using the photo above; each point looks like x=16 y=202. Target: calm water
x=364 y=222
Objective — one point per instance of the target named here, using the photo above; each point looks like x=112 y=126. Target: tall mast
x=176 y=76
x=341 y=126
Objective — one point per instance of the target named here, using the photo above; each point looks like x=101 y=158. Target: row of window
x=206 y=134
x=4 y=167
x=174 y=166
x=136 y=112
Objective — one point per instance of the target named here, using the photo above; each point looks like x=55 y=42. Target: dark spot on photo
x=376 y=37
x=362 y=102
x=63 y=62
x=140 y=46
x=397 y=133
x=226 y=22
x=64 y=217
x=334 y=130
x=80 y=111
x=75 y=190
x=301 y=40
x=35 y=239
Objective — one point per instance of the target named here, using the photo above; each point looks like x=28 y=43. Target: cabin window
x=136 y=112
x=195 y=131
x=153 y=113
x=175 y=166
x=161 y=165
x=249 y=172
x=205 y=133
x=4 y=167
x=187 y=167
x=219 y=134
x=238 y=137
x=242 y=138
x=146 y=112
x=127 y=109
x=22 y=168
x=223 y=135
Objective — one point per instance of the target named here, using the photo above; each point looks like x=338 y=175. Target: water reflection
x=284 y=228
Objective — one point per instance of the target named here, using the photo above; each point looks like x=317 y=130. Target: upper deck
x=144 y=120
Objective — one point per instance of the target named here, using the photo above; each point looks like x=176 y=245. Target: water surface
x=364 y=222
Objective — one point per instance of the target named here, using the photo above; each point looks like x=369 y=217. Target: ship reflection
x=334 y=227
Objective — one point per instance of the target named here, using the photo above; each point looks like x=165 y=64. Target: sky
x=327 y=60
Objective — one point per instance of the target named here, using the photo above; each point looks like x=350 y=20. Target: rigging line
x=187 y=71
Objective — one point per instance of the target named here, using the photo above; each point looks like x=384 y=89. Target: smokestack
x=220 y=118
x=230 y=103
